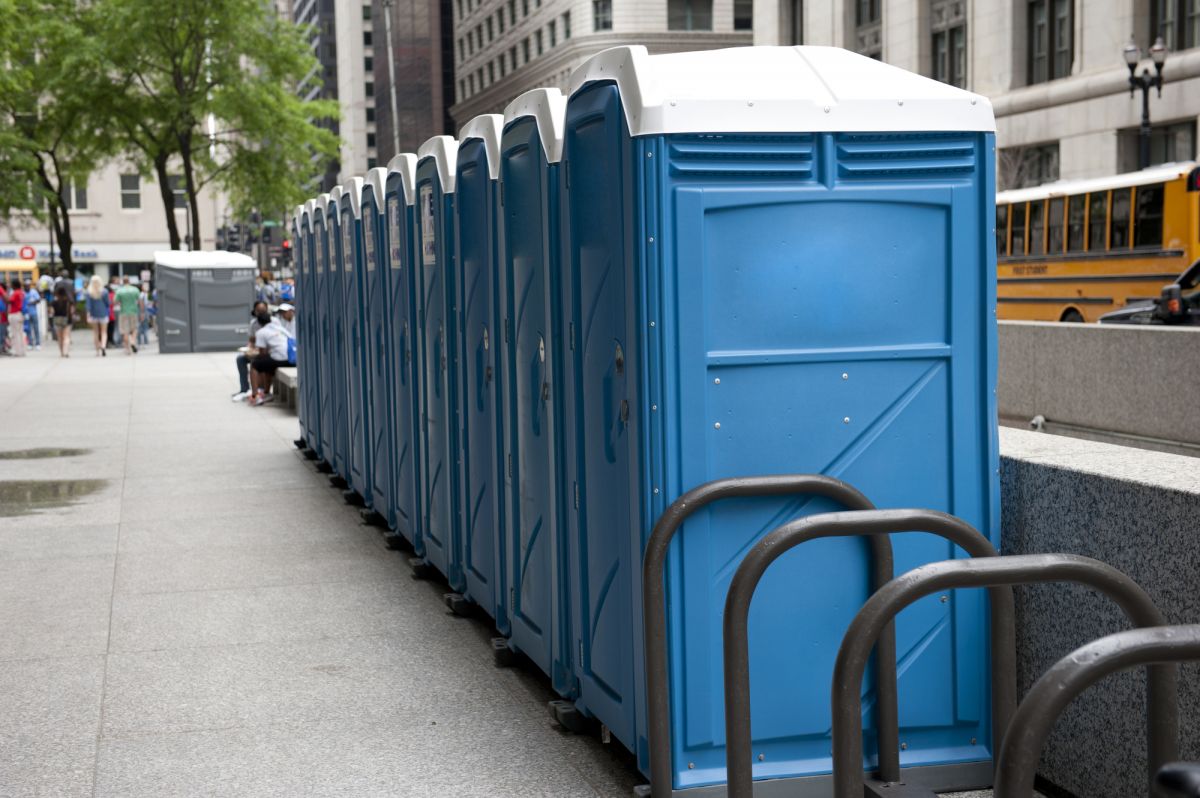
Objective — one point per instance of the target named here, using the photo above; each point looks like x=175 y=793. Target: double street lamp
x=1145 y=82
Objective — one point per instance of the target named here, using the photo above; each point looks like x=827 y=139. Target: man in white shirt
x=272 y=345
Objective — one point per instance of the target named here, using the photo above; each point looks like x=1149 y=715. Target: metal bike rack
x=1160 y=648
x=654 y=593
x=881 y=608
x=878 y=524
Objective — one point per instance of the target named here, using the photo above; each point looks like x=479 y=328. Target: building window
x=512 y=12
x=602 y=14
x=525 y=50
x=178 y=189
x=553 y=28
x=689 y=14
x=795 y=21
x=1051 y=39
x=370 y=139
x=370 y=114
x=868 y=28
x=131 y=192
x=1170 y=142
x=503 y=64
x=1030 y=165
x=367 y=38
x=512 y=57
x=471 y=82
x=372 y=162
x=462 y=90
x=370 y=89
x=948 y=21
x=75 y=194
x=537 y=37
x=566 y=25
x=369 y=64
x=367 y=13
x=490 y=30
x=743 y=14
x=491 y=71
x=524 y=8
x=1178 y=22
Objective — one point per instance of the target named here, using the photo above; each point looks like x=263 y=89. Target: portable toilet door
x=174 y=309
x=530 y=149
x=437 y=273
x=219 y=296
x=377 y=349
x=296 y=235
x=477 y=197
x=354 y=296
x=337 y=298
x=309 y=327
x=404 y=391
x=792 y=248
x=323 y=309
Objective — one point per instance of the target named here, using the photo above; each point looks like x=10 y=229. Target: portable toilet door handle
x=487 y=345
x=542 y=361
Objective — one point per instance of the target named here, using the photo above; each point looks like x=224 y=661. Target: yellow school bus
x=25 y=269
x=1074 y=250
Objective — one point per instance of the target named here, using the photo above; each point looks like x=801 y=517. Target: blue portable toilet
x=530 y=151
x=296 y=235
x=377 y=344
x=309 y=362
x=776 y=260
x=403 y=390
x=354 y=335
x=477 y=244
x=436 y=281
x=328 y=301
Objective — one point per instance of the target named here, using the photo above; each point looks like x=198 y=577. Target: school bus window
x=1018 y=229
x=1001 y=231
x=1119 y=235
x=1098 y=221
x=1076 y=210
x=1054 y=227
x=1037 y=231
x=1148 y=225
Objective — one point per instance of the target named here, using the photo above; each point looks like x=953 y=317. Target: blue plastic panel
x=600 y=392
x=476 y=198
x=308 y=356
x=355 y=334
x=329 y=287
x=435 y=265
x=402 y=394
x=539 y=600
x=377 y=354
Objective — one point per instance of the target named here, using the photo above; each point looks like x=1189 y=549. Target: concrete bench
x=285 y=385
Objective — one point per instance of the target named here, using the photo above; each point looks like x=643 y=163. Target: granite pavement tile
x=80 y=540
x=54 y=606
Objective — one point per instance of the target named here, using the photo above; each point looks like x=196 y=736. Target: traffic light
x=233 y=238
x=287 y=251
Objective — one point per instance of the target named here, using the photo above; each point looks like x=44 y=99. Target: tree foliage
x=52 y=129
x=207 y=89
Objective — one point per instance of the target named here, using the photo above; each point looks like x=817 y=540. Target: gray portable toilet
x=204 y=300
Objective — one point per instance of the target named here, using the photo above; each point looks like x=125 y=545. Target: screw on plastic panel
x=651 y=239
x=827 y=109
x=653 y=408
x=846 y=420
x=717 y=381
x=972 y=741
x=649 y=155
x=717 y=425
x=845 y=376
x=691 y=765
x=903 y=746
x=943 y=598
x=656 y=491
x=761 y=757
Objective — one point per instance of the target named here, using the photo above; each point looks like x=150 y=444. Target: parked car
x=1178 y=305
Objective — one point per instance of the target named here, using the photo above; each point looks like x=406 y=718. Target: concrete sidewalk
x=211 y=619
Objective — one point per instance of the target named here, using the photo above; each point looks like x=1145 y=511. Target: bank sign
x=26 y=252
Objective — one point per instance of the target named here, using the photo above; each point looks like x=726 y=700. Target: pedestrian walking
x=62 y=311
x=127 y=314
x=99 y=306
x=64 y=281
x=143 y=333
x=16 y=318
x=114 y=332
x=33 y=313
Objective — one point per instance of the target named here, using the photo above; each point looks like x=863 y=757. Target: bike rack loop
x=738 y=741
x=1069 y=677
x=881 y=608
x=654 y=590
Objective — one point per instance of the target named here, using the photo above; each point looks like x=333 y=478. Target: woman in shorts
x=98 y=306
x=62 y=315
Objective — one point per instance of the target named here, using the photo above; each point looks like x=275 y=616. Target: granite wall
x=1140 y=512
x=1123 y=378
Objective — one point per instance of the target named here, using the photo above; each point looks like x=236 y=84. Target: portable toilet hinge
x=571 y=335
x=567 y=167
x=510 y=466
x=580 y=652
x=507 y=325
x=501 y=193
x=576 y=495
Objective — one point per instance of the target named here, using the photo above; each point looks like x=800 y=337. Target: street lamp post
x=1145 y=82
x=391 y=64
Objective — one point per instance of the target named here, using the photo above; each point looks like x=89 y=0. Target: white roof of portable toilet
x=778 y=90
x=377 y=180
x=444 y=151
x=321 y=203
x=351 y=193
x=405 y=164
x=549 y=108
x=488 y=129
x=309 y=206
x=203 y=259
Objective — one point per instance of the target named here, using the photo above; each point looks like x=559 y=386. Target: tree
x=213 y=86
x=51 y=123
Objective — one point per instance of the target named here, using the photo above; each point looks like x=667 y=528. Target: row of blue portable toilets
x=520 y=346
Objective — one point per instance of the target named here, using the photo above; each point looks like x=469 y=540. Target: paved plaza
x=187 y=608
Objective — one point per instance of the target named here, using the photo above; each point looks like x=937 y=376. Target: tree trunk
x=60 y=216
x=189 y=181
x=168 y=197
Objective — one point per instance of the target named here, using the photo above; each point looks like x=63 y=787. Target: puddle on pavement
x=23 y=497
x=42 y=453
